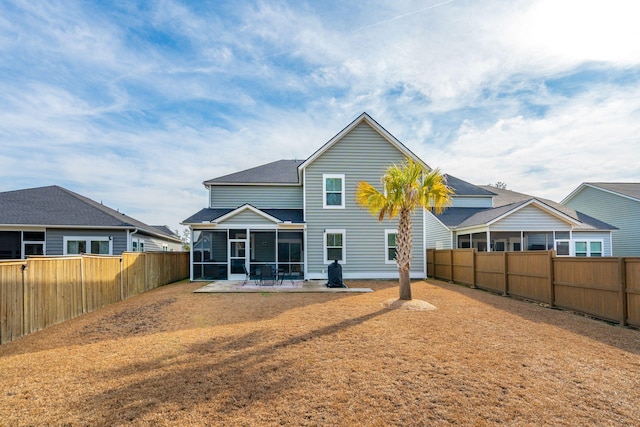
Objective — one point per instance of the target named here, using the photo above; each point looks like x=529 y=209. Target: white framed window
x=587 y=248
x=137 y=244
x=335 y=245
x=563 y=247
x=579 y=248
x=390 y=237
x=75 y=245
x=333 y=191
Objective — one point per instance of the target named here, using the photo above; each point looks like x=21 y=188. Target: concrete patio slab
x=310 y=286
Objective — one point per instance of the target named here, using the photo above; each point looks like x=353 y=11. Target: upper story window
x=333 y=191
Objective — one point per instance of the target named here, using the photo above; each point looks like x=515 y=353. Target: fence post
x=83 y=289
x=473 y=268
x=622 y=275
x=450 y=265
x=552 y=289
x=505 y=274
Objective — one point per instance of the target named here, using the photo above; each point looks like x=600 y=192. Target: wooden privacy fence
x=42 y=291
x=607 y=288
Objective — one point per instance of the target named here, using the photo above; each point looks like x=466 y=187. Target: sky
x=135 y=104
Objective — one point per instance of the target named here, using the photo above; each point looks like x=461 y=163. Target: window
x=563 y=247
x=390 y=237
x=137 y=245
x=588 y=248
x=87 y=245
x=33 y=243
x=579 y=248
x=333 y=191
x=334 y=246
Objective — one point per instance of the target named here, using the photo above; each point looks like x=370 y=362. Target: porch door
x=237 y=254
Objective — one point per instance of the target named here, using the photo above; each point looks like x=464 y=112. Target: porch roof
x=209 y=215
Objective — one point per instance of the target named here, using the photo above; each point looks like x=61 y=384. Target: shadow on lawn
x=229 y=374
x=153 y=312
x=584 y=325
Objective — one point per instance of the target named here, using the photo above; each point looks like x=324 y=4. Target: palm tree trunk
x=403 y=253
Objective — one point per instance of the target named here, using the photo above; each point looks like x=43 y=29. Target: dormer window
x=333 y=191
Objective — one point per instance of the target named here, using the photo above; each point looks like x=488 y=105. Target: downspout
x=130 y=238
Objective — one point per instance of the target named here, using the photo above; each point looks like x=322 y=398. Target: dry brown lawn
x=171 y=357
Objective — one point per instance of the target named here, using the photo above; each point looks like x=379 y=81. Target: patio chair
x=267 y=276
x=246 y=275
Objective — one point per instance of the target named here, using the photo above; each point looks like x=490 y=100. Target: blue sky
x=135 y=104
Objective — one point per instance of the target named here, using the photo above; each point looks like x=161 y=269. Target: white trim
x=341 y=231
x=88 y=240
x=364 y=117
x=243 y=208
x=595 y=186
x=572 y=246
x=326 y=176
x=388 y=231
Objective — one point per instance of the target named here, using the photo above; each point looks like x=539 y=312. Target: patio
x=310 y=286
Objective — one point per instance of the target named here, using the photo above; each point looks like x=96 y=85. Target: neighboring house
x=493 y=219
x=615 y=203
x=56 y=221
x=302 y=215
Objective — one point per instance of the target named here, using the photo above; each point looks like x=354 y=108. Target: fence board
x=490 y=271
x=463 y=266
x=588 y=285
x=11 y=301
x=529 y=275
x=632 y=279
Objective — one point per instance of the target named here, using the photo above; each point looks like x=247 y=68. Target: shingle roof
x=209 y=214
x=57 y=206
x=630 y=189
x=464 y=188
x=278 y=172
x=505 y=201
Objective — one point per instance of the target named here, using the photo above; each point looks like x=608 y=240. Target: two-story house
x=301 y=215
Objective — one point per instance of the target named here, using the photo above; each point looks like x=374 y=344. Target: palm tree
x=406 y=187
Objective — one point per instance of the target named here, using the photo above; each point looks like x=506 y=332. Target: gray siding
x=360 y=155
x=259 y=196
x=438 y=236
x=472 y=202
x=152 y=244
x=55 y=239
x=616 y=210
x=248 y=217
x=531 y=218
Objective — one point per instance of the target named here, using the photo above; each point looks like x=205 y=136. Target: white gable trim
x=596 y=187
x=243 y=208
x=363 y=118
x=541 y=206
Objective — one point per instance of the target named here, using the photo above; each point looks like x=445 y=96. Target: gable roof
x=364 y=118
x=507 y=202
x=630 y=190
x=57 y=206
x=278 y=172
x=209 y=215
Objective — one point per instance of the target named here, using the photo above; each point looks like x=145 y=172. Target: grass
x=171 y=357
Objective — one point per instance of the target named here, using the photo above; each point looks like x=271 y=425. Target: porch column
x=488 y=240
